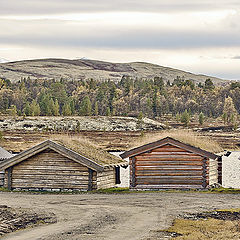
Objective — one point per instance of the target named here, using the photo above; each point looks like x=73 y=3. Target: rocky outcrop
x=77 y=123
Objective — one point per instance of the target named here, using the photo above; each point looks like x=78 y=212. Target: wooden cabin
x=53 y=165
x=171 y=164
x=4 y=154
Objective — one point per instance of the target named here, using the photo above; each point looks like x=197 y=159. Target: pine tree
x=108 y=111
x=51 y=106
x=66 y=110
x=72 y=105
x=56 y=108
x=209 y=84
x=178 y=117
x=44 y=102
x=224 y=117
x=185 y=118
x=27 y=109
x=35 y=108
x=96 y=109
x=13 y=110
x=229 y=110
x=140 y=120
x=201 y=118
x=158 y=81
x=86 y=107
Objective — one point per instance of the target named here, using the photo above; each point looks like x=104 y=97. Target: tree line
x=128 y=97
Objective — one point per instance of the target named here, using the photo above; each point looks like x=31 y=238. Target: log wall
x=170 y=167
x=50 y=170
x=106 y=179
x=1 y=178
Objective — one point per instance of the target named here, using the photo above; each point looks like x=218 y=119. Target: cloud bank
x=181 y=31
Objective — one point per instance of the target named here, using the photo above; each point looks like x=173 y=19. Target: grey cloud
x=33 y=7
x=57 y=34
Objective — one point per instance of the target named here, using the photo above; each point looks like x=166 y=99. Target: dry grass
x=185 y=136
x=206 y=229
x=86 y=148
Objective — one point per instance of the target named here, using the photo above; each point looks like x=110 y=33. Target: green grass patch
x=225 y=190
x=115 y=190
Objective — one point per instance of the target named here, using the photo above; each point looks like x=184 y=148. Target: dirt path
x=116 y=216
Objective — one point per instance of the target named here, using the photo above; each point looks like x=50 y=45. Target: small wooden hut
x=169 y=163
x=3 y=156
x=53 y=165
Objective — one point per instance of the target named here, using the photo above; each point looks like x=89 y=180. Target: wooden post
x=90 y=179
x=9 y=180
x=204 y=173
x=133 y=172
x=220 y=170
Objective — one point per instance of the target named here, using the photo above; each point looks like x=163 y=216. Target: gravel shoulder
x=111 y=216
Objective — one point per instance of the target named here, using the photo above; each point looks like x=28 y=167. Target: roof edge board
x=168 y=140
x=54 y=146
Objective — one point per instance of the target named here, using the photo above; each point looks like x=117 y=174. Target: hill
x=98 y=70
x=3 y=60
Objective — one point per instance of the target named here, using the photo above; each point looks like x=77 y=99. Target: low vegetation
x=218 y=225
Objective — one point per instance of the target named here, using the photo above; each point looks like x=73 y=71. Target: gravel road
x=132 y=216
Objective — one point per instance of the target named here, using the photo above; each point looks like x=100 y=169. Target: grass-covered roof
x=185 y=136
x=87 y=149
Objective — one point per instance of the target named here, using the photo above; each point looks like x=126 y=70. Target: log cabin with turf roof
x=62 y=165
x=171 y=164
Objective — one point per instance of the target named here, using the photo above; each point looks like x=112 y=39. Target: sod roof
x=89 y=150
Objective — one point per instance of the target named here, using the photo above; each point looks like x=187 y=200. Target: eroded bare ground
x=111 y=216
x=14 y=219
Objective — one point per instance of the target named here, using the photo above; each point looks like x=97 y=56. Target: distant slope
x=99 y=70
x=3 y=60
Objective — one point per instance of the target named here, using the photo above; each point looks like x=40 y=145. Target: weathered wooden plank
x=1 y=178
x=45 y=186
x=168 y=149
x=168 y=158
x=49 y=177
x=164 y=152
x=160 y=178
x=159 y=163
x=184 y=168
x=168 y=181
x=205 y=180
x=106 y=179
x=170 y=174
x=50 y=172
x=9 y=178
x=90 y=179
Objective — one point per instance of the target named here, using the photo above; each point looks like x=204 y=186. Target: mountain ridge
x=82 y=69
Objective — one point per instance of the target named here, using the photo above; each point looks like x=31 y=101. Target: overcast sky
x=201 y=36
